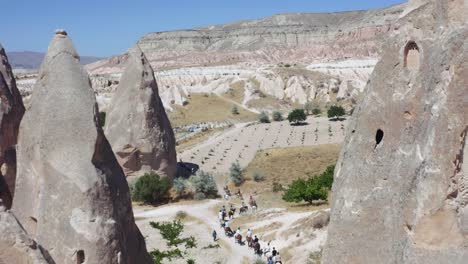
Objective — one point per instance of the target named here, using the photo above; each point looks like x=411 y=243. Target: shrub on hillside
x=277 y=116
x=235 y=173
x=263 y=117
x=257 y=176
x=335 y=112
x=297 y=115
x=234 y=110
x=180 y=186
x=203 y=186
x=151 y=188
x=277 y=187
x=316 y=111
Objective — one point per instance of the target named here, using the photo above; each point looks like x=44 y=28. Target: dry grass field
x=207 y=108
x=283 y=165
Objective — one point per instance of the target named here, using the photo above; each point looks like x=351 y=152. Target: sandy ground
x=242 y=142
x=290 y=233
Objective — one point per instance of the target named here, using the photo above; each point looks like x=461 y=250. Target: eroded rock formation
x=401 y=183
x=15 y=244
x=71 y=194
x=137 y=125
x=11 y=112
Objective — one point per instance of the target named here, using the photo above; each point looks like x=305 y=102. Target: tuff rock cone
x=137 y=125
x=71 y=194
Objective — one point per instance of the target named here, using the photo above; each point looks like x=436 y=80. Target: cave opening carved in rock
x=412 y=56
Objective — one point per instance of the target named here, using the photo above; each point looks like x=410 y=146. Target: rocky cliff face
x=11 y=112
x=400 y=191
x=71 y=194
x=15 y=244
x=343 y=47
x=137 y=125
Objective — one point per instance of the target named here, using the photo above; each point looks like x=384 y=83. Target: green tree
x=296 y=191
x=234 y=110
x=235 y=173
x=335 y=112
x=171 y=232
x=203 y=185
x=263 y=117
x=326 y=178
x=277 y=116
x=313 y=189
x=297 y=115
x=151 y=188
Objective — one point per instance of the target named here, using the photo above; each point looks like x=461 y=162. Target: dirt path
x=205 y=213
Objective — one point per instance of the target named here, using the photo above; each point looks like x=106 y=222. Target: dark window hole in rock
x=80 y=257
x=378 y=137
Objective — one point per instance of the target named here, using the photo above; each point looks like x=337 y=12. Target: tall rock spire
x=137 y=125
x=11 y=112
x=71 y=194
x=400 y=193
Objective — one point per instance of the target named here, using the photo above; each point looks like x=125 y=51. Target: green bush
x=235 y=173
x=263 y=117
x=335 y=111
x=257 y=176
x=316 y=111
x=203 y=186
x=171 y=232
x=234 y=110
x=180 y=185
x=297 y=115
x=277 y=116
x=151 y=188
x=313 y=189
x=326 y=178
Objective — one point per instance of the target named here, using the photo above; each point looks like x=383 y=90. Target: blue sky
x=105 y=27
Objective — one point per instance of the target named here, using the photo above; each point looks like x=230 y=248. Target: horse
x=253 y=205
x=228 y=231
x=231 y=213
x=243 y=209
x=256 y=248
x=238 y=239
x=249 y=241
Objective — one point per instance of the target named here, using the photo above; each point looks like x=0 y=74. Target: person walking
x=214 y=235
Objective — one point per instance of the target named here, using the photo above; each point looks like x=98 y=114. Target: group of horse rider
x=244 y=208
x=272 y=255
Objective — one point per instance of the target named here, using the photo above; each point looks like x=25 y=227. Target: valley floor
x=280 y=152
